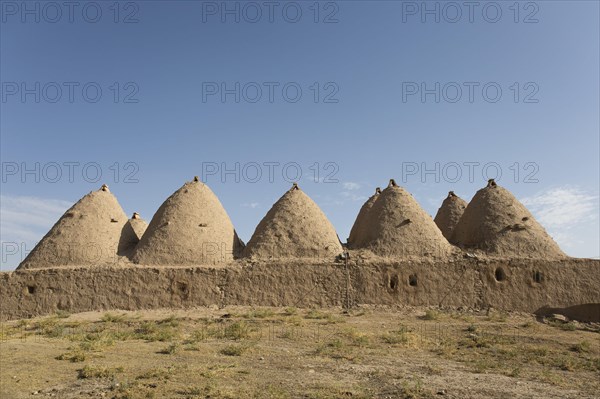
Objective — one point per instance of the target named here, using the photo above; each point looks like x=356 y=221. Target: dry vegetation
x=287 y=353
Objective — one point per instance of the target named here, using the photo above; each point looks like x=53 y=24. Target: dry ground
x=239 y=352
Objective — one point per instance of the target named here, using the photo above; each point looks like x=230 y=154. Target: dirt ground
x=239 y=352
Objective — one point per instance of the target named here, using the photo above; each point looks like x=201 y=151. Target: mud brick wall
x=511 y=285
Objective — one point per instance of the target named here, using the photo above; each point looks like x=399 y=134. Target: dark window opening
x=183 y=287
x=31 y=289
x=538 y=277
x=394 y=282
x=500 y=275
x=412 y=280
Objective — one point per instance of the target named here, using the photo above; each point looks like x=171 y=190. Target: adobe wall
x=467 y=283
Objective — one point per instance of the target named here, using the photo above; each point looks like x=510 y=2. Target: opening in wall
x=412 y=280
x=499 y=274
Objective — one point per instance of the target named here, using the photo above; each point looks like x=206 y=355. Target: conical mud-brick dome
x=399 y=227
x=190 y=228
x=132 y=233
x=449 y=214
x=358 y=233
x=86 y=235
x=294 y=227
x=497 y=223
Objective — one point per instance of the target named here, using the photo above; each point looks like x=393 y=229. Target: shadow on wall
x=589 y=312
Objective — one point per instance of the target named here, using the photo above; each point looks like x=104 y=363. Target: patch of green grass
x=171 y=349
x=498 y=317
x=395 y=337
x=294 y=320
x=286 y=334
x=563 y=325
x=581 y=347
x=62 y=314
x=113 y=317
x=537 y=351
x=431 y=314
x=49 y=327
x=90 y=371
x=290 y=311
x=358 y=313
x=132 y=390
x=233 y=331
x=335 y=344
x=191 y=391
x=73 y=356
x=315 y=314
x=415 y=390
x=237 y=331
x=233 y=350
x=191 y=347
x=150 y=331
x=171 y=321
x=433 y=369
x=336 y=348
x=462 y=317
x=357 y=338
x=477 y=341
x=480 y=366
x=159 y=374
x=22 y=324
x=516 y=372
x=96 y=342
x=569 y=326
x=259 y=314
x=565 y=364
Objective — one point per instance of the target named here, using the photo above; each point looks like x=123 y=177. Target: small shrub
x=499 y=317
x=62 y=314
x=431 y=315
x=170 y=321
x=96 y=342
x=290 y=311
x=357 y=338
x=237 y=331
x=191 y=391
x=171 y=349
x=191 y=347
x=316 y=315
x=232 y=350
x=259 y=314
x=581 y=347
x=73 y=357
x=569 y=326
x=395 y=338
x=113 y=318
x=156 y=374
x=153 y=332
x=566 y=364
x=99 y=371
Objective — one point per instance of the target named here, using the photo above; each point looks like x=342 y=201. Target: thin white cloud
x=570 y=214
x=25 y=220
x=563 y=207
x=252 y=205
x=352 y=196
x=351 y=185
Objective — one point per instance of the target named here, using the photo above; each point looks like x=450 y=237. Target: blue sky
x=190 y=87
